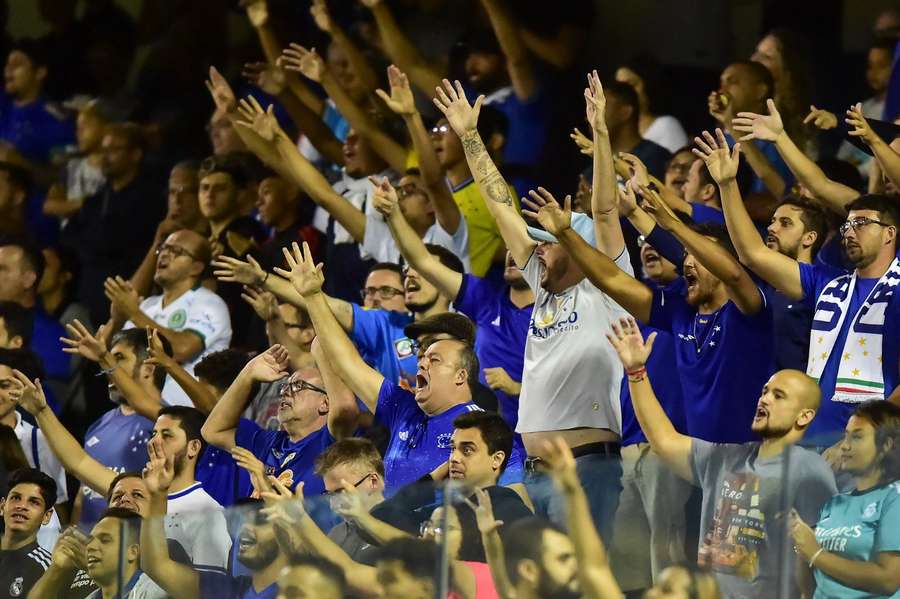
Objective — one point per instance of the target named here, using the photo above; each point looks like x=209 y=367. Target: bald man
x=194 y=319
x=742 y=531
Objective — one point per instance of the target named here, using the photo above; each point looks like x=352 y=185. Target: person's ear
x=197 y=268
x=40 y=73
x=194 y=447
x=16 y=342
x=48 y=515
x=809 y=239
x=528 y=570
x=324 y=408
x=805 y=417
x=146 y=371
x=708 y=191
x=497 y=459
x=134 y=552
x=462 y=377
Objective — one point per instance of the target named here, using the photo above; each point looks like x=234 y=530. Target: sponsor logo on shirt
x=177 y=319
x=870 y=510
x=556 y=315
x=403 y=435
x=15 y=589
x=92 y=441
x=403 y=347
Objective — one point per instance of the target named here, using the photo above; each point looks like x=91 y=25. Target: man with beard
x=258 y=549
x=540 y=560
x=420 y=423
x=743 y=536
x=27 y=505
x=192 y=318
x=194 y=520
x=854 y=344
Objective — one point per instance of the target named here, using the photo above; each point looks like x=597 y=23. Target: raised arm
x=176 y=579
x=518 y=60
x=493 y=544
x=64 y=446
x=200 y=396
x=343 y=412
x=770 y=128
x=446 y=280
x=603 y=187
x=463 y=118
x=887 y=158
x=599 y=268
x=401 y=101
x=307 y=279
x=68 y=556
x=357 y=60
x=221 y=425
x=716 y=259
x=594 y=571
x=673 y=447
x=399 y=48
x=297 y=58
x=777 y=269
x=299 y=170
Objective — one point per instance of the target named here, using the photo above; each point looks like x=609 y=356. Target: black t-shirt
x=242 y=236
x=21 y=568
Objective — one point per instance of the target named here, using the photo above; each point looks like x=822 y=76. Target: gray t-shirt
x=743 y=529
x=572 y=375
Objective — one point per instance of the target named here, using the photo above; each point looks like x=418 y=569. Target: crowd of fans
x=360 y=349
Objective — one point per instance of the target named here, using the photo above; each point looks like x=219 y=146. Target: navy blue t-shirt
x=33 y=129
x=379 y=336
x=662 y=368
x=723 y=358
x=418 y=443
x=502 y=331
x=791 y=321
x=215 y=585
x=289 y=462
x=46 y=344
x=119 y=442
x=832 y=416
x=703 y=214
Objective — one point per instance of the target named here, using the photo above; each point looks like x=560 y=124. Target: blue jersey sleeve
x=393 y=401
x=250 y=435
x=368 y=328
x=473 y=298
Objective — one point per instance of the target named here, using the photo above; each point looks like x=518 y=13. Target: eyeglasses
x=440 y=129
x=435 y=529
x=175 y=250
x=385 y=292
x=355 y=485
x=860 y=221
x=298 y=386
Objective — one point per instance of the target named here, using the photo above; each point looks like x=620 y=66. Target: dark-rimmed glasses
x=292 y=388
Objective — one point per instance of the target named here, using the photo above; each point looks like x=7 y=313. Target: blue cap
x=581 y=224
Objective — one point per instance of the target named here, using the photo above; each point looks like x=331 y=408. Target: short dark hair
x=228 y=165
x=23 y=360
x=418 y=556
x=391 y=266
x=468 y=359
x=31 y=254
x=18 y=176
x=813 y=218
x=220 y=368
x=760 y=73
x=626 y=95
x=717 y=232
x=350 y=450
x=446 y=257
x=33 y=476
x=36 y=51
x=189 y=419
x=524 y=539
x=494 y=430
x=136 y=339
x=884 y=416
x=130 y=523
x=115 y=481
x=451 y=323
x=326 y=568
x=187 y=165
x=886 y=206
x=650 y=72
x=132 y=133
x=18 y=320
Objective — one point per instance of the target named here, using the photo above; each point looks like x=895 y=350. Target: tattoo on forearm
x=484 y=170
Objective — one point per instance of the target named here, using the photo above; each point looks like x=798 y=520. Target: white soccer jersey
x=197 y=522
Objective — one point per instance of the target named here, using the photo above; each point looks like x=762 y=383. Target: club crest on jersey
x=288 y=458
x=177 y=319
x=443 y=440
x=15 y=589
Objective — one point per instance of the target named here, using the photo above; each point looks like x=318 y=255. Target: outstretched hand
x=261 y=122
x=595 y=102
x=221 y=91
x=860 y=125
x=156 y=351
x=303 y=273
x=349 y=503
x=263 y=303
x=452 y=102
x=543 y=207
x=384 y=197
x=584 y=143
x=122 y=295
x=821 y=118
x=83 y=343
x=257 y=11
x=29 y=395
x=653 y=204
x=234 y=270
x=767 y=127
x=319 y=12
x=270 y=366
x=268 y=77
x=307 y=62
x=160 y=470
x=626 y=339
x=246 y=460
x=721 y=163
x=484 y=512
x=401 y=99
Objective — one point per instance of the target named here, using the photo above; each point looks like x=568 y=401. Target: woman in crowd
x=645 y=75
x=685 y=581
x=854 y=551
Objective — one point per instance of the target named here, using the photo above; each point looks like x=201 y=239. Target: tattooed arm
x=463 y=117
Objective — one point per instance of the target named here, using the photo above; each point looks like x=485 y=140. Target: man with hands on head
x=311 y=419
x=854 y=343
x=420 y=422
x=740 y=481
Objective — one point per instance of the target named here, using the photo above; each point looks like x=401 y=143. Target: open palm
x=452 y=102
x=767 y=127
x=303 y=273
x=232 y=270
x=721 y=162
x=544 y=208
x=307 y=62
x=626 y=339
x=401 y=99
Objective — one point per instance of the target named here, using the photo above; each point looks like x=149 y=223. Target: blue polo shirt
x=119 y=442
x=418 y=443
x=723 y=359
x=33 y=129
x=832 y=416
x=215 y=585
x=285 y=460
x=379 y=336
x=502 y=331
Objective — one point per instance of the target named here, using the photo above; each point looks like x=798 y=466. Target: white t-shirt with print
x=198 y=310
x=197 y=522
x=572 y=375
